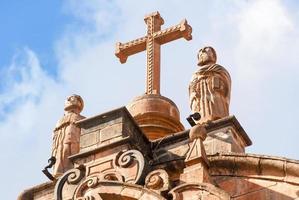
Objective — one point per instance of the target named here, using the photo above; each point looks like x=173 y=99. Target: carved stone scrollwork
x=72 y=176
x=198 y=192
x=82 y=183
x=88 y=198
x=116 y=190
x=111 y=176
x=157 y=180
x=128 y=161
x=88 y=184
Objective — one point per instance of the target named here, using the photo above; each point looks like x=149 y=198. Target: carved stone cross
x=151 y=43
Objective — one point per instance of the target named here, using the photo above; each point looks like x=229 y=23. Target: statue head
x=74 y=103
x=206 y=56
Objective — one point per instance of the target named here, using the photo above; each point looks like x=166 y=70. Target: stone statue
x=210 y=86
x=66 y=135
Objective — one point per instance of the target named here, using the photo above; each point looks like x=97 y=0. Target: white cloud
x=266 y=69
x=264 y=30
x=29 y=106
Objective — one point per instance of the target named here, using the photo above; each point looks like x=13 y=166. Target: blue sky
x=31 y=23
x=51 y=49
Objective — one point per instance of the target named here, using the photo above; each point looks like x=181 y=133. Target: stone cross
x=151 y=43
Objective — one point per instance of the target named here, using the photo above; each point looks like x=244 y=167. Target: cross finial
x=151 y=43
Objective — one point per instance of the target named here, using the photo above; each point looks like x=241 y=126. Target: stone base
x=226 y=135
x=156 y=115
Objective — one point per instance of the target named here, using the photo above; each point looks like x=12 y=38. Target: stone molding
x=210 y=127
x=198 y=191
x=30 y=193
x=229 y=121
x=255 y=166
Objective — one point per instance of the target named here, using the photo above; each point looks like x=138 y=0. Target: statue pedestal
x=156 y=115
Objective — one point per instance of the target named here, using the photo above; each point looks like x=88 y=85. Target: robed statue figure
x=209 y=89
x=66 y=135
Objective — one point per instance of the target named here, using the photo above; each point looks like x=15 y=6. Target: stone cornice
x=255 y=166
x=211 y=126
x=28 y=194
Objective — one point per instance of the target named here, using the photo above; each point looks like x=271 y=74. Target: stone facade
x=117 y=161
x=142 y=152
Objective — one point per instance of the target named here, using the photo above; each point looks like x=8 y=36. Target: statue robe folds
x=209 y=92
x=66 y=141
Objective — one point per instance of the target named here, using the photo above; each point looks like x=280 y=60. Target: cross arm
x=123 y=50
x=175 y=32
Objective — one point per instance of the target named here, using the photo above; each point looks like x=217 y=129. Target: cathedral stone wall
x=125 y=165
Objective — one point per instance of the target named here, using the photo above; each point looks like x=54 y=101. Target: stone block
x=226 y=135
x=108 y=128
x=88 y=140
x=110 y=132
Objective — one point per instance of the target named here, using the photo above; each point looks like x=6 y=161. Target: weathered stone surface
x=209 y=89
x=226 y=135
x=248 y=176
x=177 y=145
x=241 y=176
x=99 y=187
x=158 y=180
x=254 y=166
x=104 y=130
x=117 y=161
x=43 y=191
x=242 y=188
x=151 y=43
x=196 y=170
x=66 y=135
x=156 y=115
x=193 y=191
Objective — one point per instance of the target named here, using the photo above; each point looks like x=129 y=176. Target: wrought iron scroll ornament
x=193 y=118
x=51 y=162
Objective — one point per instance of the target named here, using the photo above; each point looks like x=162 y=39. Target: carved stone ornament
x=210 y=88
x=83 y=183
x=197 y=152
x=157 y=180
x=198 y=131
x=66 y=136
x=156 y=115
x=152 y=44
x=198 y=192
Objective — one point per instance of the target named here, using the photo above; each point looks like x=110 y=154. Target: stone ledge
x=109 y=130
x=229 y=121
x=255 y=166
x=101 y=148
x=29 y=194
x=211 y=126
